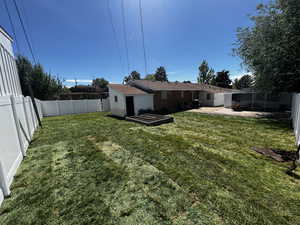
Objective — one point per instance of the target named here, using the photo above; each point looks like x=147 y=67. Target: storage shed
x=126 y=100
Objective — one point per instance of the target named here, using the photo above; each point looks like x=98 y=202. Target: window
x=116 y=98
x=164 y=95
x=182 y=94
x=208 y=97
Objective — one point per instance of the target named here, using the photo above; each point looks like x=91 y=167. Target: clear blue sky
x=74 y=38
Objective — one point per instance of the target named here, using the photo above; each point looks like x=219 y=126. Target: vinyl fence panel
x=64 y=107
x=10 y=150
x=18 y=123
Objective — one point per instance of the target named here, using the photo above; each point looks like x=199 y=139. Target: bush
x=236 y=107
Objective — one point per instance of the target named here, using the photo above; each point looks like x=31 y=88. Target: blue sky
x=74 y=39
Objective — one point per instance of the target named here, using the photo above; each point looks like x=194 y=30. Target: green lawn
x=94 y=169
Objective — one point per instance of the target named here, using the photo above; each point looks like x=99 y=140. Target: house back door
x=129 y=106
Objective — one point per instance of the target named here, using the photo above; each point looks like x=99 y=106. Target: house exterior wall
x=142 y=102
x=117 y=108
x=218 y=99
x=215 y=99
x=173 y=100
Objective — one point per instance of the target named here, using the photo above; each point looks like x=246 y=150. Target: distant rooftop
x=127 y=89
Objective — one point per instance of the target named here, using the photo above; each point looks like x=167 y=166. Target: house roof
x=176 y=86
x=5 y=33
x=127 y=89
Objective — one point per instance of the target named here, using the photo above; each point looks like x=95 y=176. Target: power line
x=143 y=35
x=115 y=34
x=24 y=30
x=28 y=27
x=125 y=35
x=12 y=26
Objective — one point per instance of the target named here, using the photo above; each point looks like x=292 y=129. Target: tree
x=271 y=48
x=245 y=81
x=206 y=74
x=150 y=77
x=222 y=79
x=44 y=85
x=160 y=74
x=134 y=75
x=100 y=83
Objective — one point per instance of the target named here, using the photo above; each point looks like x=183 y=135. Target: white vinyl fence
x=64 y=107
x=17 y=125
x=296 y=116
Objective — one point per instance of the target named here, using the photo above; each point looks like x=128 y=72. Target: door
x=129 y=106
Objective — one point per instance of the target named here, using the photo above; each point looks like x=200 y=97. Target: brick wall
x=174 y=100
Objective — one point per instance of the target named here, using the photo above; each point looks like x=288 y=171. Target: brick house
x=166 y=96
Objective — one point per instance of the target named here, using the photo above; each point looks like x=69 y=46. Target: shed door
x=129 y=106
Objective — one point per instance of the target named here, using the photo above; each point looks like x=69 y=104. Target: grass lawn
x=93 y=169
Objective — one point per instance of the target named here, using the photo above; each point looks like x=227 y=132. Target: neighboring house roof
x=127 y=89
x=151 y=86
x=5 y=33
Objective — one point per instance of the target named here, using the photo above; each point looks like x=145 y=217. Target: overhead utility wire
x=24 y=30
x=23 y=8
x=115 y=34
x=33 y=57
x=12 y=26
x=125 y=35
x=143 y=35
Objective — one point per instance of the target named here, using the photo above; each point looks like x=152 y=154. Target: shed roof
x=176 y=86
x=127 y=89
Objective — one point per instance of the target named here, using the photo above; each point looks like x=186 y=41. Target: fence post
x=72 y=103
x=57 y=108
x=3 y=182
x=26 y=116
x=16 y=119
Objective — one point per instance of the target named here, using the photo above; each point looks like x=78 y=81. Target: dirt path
x=230 y=112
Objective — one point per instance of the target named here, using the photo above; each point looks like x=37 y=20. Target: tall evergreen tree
x=160 y=74
x=134 y=75
x=206 y=74
x=222 y=79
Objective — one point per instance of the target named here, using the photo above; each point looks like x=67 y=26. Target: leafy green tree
x=222 y=79
x=134 y=75
x=44 y=85
x=160 y=74
x=206 y=74
x=150 y=77
x=271 y=48
x=100 y=83
x=245 y=81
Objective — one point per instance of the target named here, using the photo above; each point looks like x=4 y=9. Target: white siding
x=142 y=102
x=228 y=100
x=117 y=108
x=218 y=99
